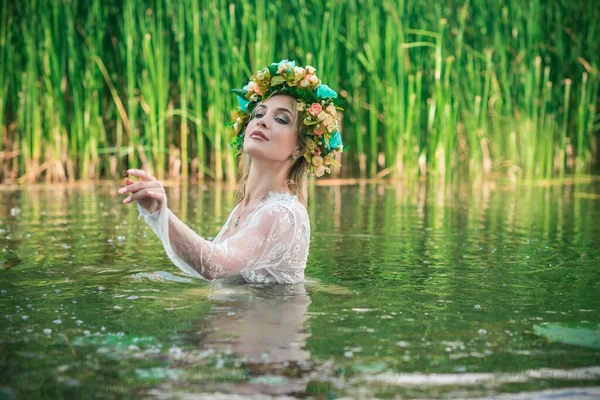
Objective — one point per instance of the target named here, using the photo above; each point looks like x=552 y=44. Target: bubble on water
x=121 y=238
x=47 y=331
x=3 y=291
x=65 y=246
x=133 y=347
x=175 y=351
x=57 y=291
x=477 y=306
x=18 y=307
x=110 y=241
x=25 y=317
x=27 y=299
x=29 y=305
x=79 y=322
x=74 y=301
x=15 y=211
x=101 y=288
x=8 y=317
x=57 y=321
x=86 y=332
x=117 y=308
x=53 y=285
x=482 y=331
x=220 y=363
x=44 y=295
x=103 y=329
x=348 y=354
x=133 y=297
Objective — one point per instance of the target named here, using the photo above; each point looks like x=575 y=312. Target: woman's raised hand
x=149 y=193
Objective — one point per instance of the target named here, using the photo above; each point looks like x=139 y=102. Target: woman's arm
x=264 y=243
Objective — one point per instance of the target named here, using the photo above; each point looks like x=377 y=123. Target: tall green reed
x=431 y=89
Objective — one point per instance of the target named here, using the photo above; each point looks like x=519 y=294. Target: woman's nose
x=261 y=122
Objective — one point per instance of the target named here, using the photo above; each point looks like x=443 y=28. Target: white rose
x=319 y=171
x=317 y=161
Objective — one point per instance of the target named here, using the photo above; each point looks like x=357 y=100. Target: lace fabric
x=271 y=245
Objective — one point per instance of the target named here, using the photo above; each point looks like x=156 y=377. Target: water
x=413 y=291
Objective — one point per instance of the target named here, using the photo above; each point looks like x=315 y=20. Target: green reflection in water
x=417 y=290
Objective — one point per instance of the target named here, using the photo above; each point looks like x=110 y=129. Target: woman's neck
x=264 y=178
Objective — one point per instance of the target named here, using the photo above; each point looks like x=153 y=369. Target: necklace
x=237 y=221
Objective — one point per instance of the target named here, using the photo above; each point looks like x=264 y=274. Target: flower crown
x=319 y=122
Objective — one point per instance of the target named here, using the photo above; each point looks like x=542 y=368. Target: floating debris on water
x=160 y=276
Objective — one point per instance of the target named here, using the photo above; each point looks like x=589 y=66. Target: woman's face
x=272 y=132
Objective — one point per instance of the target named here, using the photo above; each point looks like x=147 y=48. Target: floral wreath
x=318 y=101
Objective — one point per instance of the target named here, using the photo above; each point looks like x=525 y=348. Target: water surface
x=412 y=291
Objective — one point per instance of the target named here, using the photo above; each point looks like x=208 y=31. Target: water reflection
x=259 y=323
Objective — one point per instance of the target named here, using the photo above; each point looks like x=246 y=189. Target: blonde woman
x=285 y=128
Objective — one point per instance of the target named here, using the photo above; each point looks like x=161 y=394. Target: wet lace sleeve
x=268 y=242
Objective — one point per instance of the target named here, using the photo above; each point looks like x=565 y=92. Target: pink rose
x=315 y=109
x=318 y=131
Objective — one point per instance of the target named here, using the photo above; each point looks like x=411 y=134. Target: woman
x=286 y=128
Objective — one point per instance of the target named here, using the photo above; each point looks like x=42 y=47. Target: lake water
x=413 y=291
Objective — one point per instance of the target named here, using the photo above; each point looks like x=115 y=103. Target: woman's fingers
x=143 y=194
x=137 y=186
x=140 y=173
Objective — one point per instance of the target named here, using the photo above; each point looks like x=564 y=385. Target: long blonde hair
x=297 y=179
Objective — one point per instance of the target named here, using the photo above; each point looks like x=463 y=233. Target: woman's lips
x=259 y=135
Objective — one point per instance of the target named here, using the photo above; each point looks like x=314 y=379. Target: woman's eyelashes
x=281 y=120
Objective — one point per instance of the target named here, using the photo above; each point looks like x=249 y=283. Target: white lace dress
x=270 y=246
